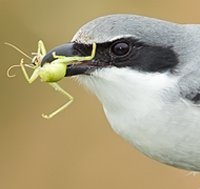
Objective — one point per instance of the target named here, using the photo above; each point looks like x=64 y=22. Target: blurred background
x=77 y=148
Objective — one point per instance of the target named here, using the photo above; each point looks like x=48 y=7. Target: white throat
x=122 y=89
x=128 y=96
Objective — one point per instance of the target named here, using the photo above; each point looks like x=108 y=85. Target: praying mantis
x=50 y=72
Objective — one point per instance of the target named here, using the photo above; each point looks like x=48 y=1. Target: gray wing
x=190 y=86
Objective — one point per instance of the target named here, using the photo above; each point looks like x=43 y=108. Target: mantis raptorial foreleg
x=35 y=74
x=61 y=90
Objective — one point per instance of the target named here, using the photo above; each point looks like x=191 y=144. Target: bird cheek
x=52 y=72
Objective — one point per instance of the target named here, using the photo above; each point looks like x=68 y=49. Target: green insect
x=49 y=72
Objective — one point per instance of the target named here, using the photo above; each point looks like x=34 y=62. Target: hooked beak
x=70 y=50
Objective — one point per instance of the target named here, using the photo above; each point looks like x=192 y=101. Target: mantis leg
x=64 y=59
x=33 y=76
x=61 y=90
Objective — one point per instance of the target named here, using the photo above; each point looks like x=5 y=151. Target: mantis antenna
x=13 y=66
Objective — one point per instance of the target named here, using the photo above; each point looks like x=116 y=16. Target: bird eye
x=120 y=49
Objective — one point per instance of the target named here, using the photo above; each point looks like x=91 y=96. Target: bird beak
x=72 y=50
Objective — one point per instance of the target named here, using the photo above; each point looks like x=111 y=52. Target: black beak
x=71 y=50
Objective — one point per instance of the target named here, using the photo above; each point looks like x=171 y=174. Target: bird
x=146 y=74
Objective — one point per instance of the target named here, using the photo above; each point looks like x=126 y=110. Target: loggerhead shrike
x=146 y=73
